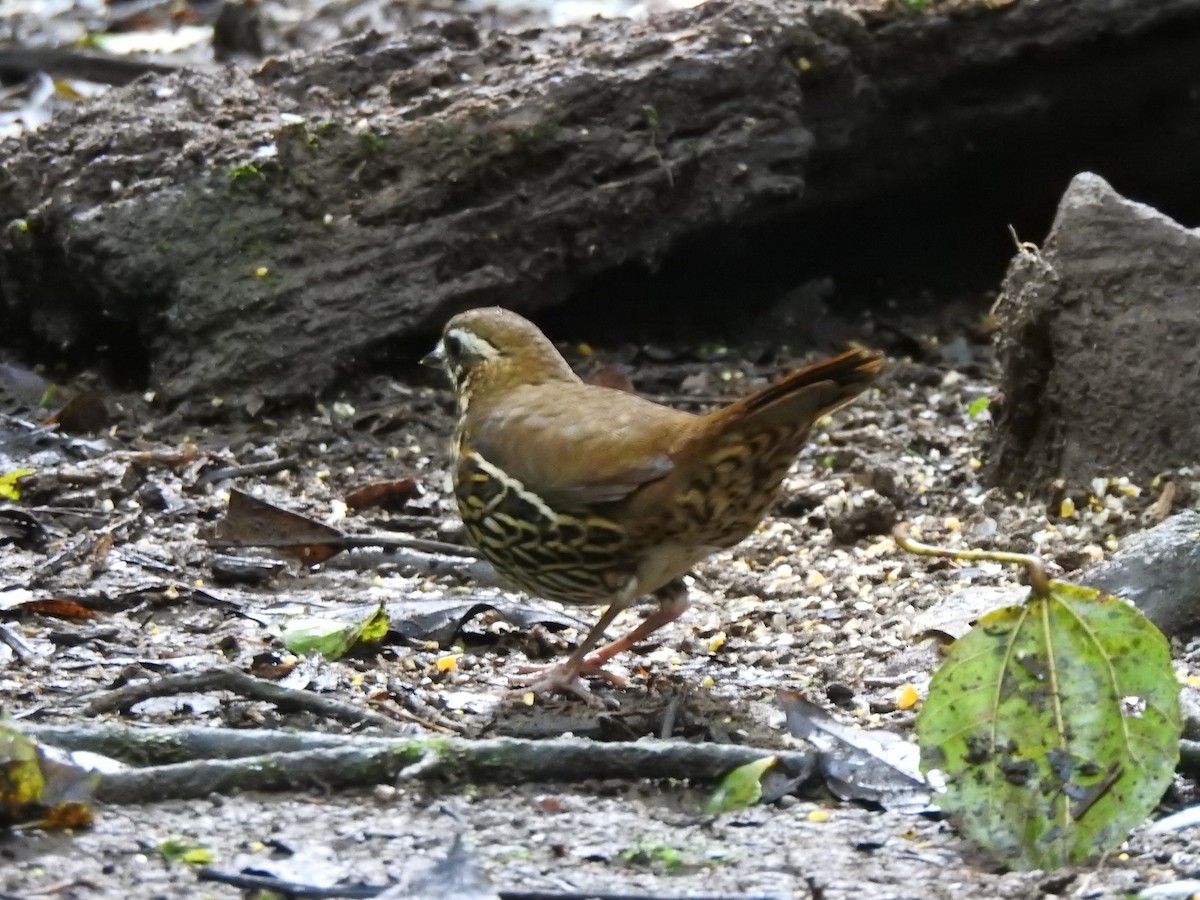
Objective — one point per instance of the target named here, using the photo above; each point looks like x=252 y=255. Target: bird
x=594 y=496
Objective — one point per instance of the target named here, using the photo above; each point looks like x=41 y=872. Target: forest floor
x=819 y=601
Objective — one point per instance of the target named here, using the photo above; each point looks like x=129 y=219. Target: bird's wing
x=576 y=445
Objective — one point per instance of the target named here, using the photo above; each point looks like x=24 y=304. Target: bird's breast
x=568 y=556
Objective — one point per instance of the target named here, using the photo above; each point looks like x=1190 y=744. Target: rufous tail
x=809 y=393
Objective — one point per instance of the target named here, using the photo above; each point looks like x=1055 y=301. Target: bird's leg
x=672 y=603
x=566 y=677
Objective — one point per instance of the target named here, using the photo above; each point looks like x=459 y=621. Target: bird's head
x=491 y=350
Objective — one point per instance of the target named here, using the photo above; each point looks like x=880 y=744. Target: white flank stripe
x=512 y=484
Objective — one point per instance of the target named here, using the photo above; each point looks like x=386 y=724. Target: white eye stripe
x=469 y=344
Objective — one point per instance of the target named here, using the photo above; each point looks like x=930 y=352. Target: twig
x=229 y=679
x=77 y=549
x=407 y=699
x=427 y=767
x=270 y=886
x=70 y=63
x=492 y=761
x=250 y=522
x=148 y=562
x=77 y=511
x=412 y=522
x=147 y=746
x=267 y=467
x=671 y=714
x=464 y=563
x=1162 y=506
x=19 y=646
x=361 y=761
x=386 y=542
x=60 y=559
x=403 y=542
x=265 y=883
x=1039 y=580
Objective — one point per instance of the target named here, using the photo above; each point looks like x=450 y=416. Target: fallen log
x=258 y=237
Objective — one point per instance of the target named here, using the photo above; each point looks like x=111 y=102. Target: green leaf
x=42 y=786
x=21 y=779
x=978 y=407
x=330 y=638
x=333 y=638
x=660 y=858
x=375 y=628
x=740 y=788
x=185 y=850
x=1056 y=725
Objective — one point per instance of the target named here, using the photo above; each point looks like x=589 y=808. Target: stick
x=360 y=761
x=365 y=892
x=226 y=678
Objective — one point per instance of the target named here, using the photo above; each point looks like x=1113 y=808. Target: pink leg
x=565 y=677
x=672 y=603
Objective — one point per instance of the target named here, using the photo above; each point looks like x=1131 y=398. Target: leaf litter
x=818 y=601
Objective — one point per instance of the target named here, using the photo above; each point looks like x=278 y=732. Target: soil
x=819 y=601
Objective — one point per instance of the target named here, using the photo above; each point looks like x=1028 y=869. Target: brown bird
x=590 y=495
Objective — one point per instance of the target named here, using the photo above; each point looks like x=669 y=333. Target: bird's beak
x=435 y=358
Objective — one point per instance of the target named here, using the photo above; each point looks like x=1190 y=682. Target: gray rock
x=1159 y=571
x=1098 y=344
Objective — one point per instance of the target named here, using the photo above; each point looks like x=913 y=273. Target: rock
x=860 y=514
x=1159 y=571
x=1097 y=344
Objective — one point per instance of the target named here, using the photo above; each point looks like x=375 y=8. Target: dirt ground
x=819 y=601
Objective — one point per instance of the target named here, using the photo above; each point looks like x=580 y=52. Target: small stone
x=859 y=515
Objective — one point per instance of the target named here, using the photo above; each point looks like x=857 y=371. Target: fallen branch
x=284 y=888
x=227 y=678
x=156 y=746
x=364 y=761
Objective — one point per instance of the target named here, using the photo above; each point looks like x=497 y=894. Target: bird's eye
x=453 y=345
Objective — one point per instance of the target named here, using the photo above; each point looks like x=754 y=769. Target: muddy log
x=258 y=237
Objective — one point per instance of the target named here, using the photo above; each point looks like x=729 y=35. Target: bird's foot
x=566 y=678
